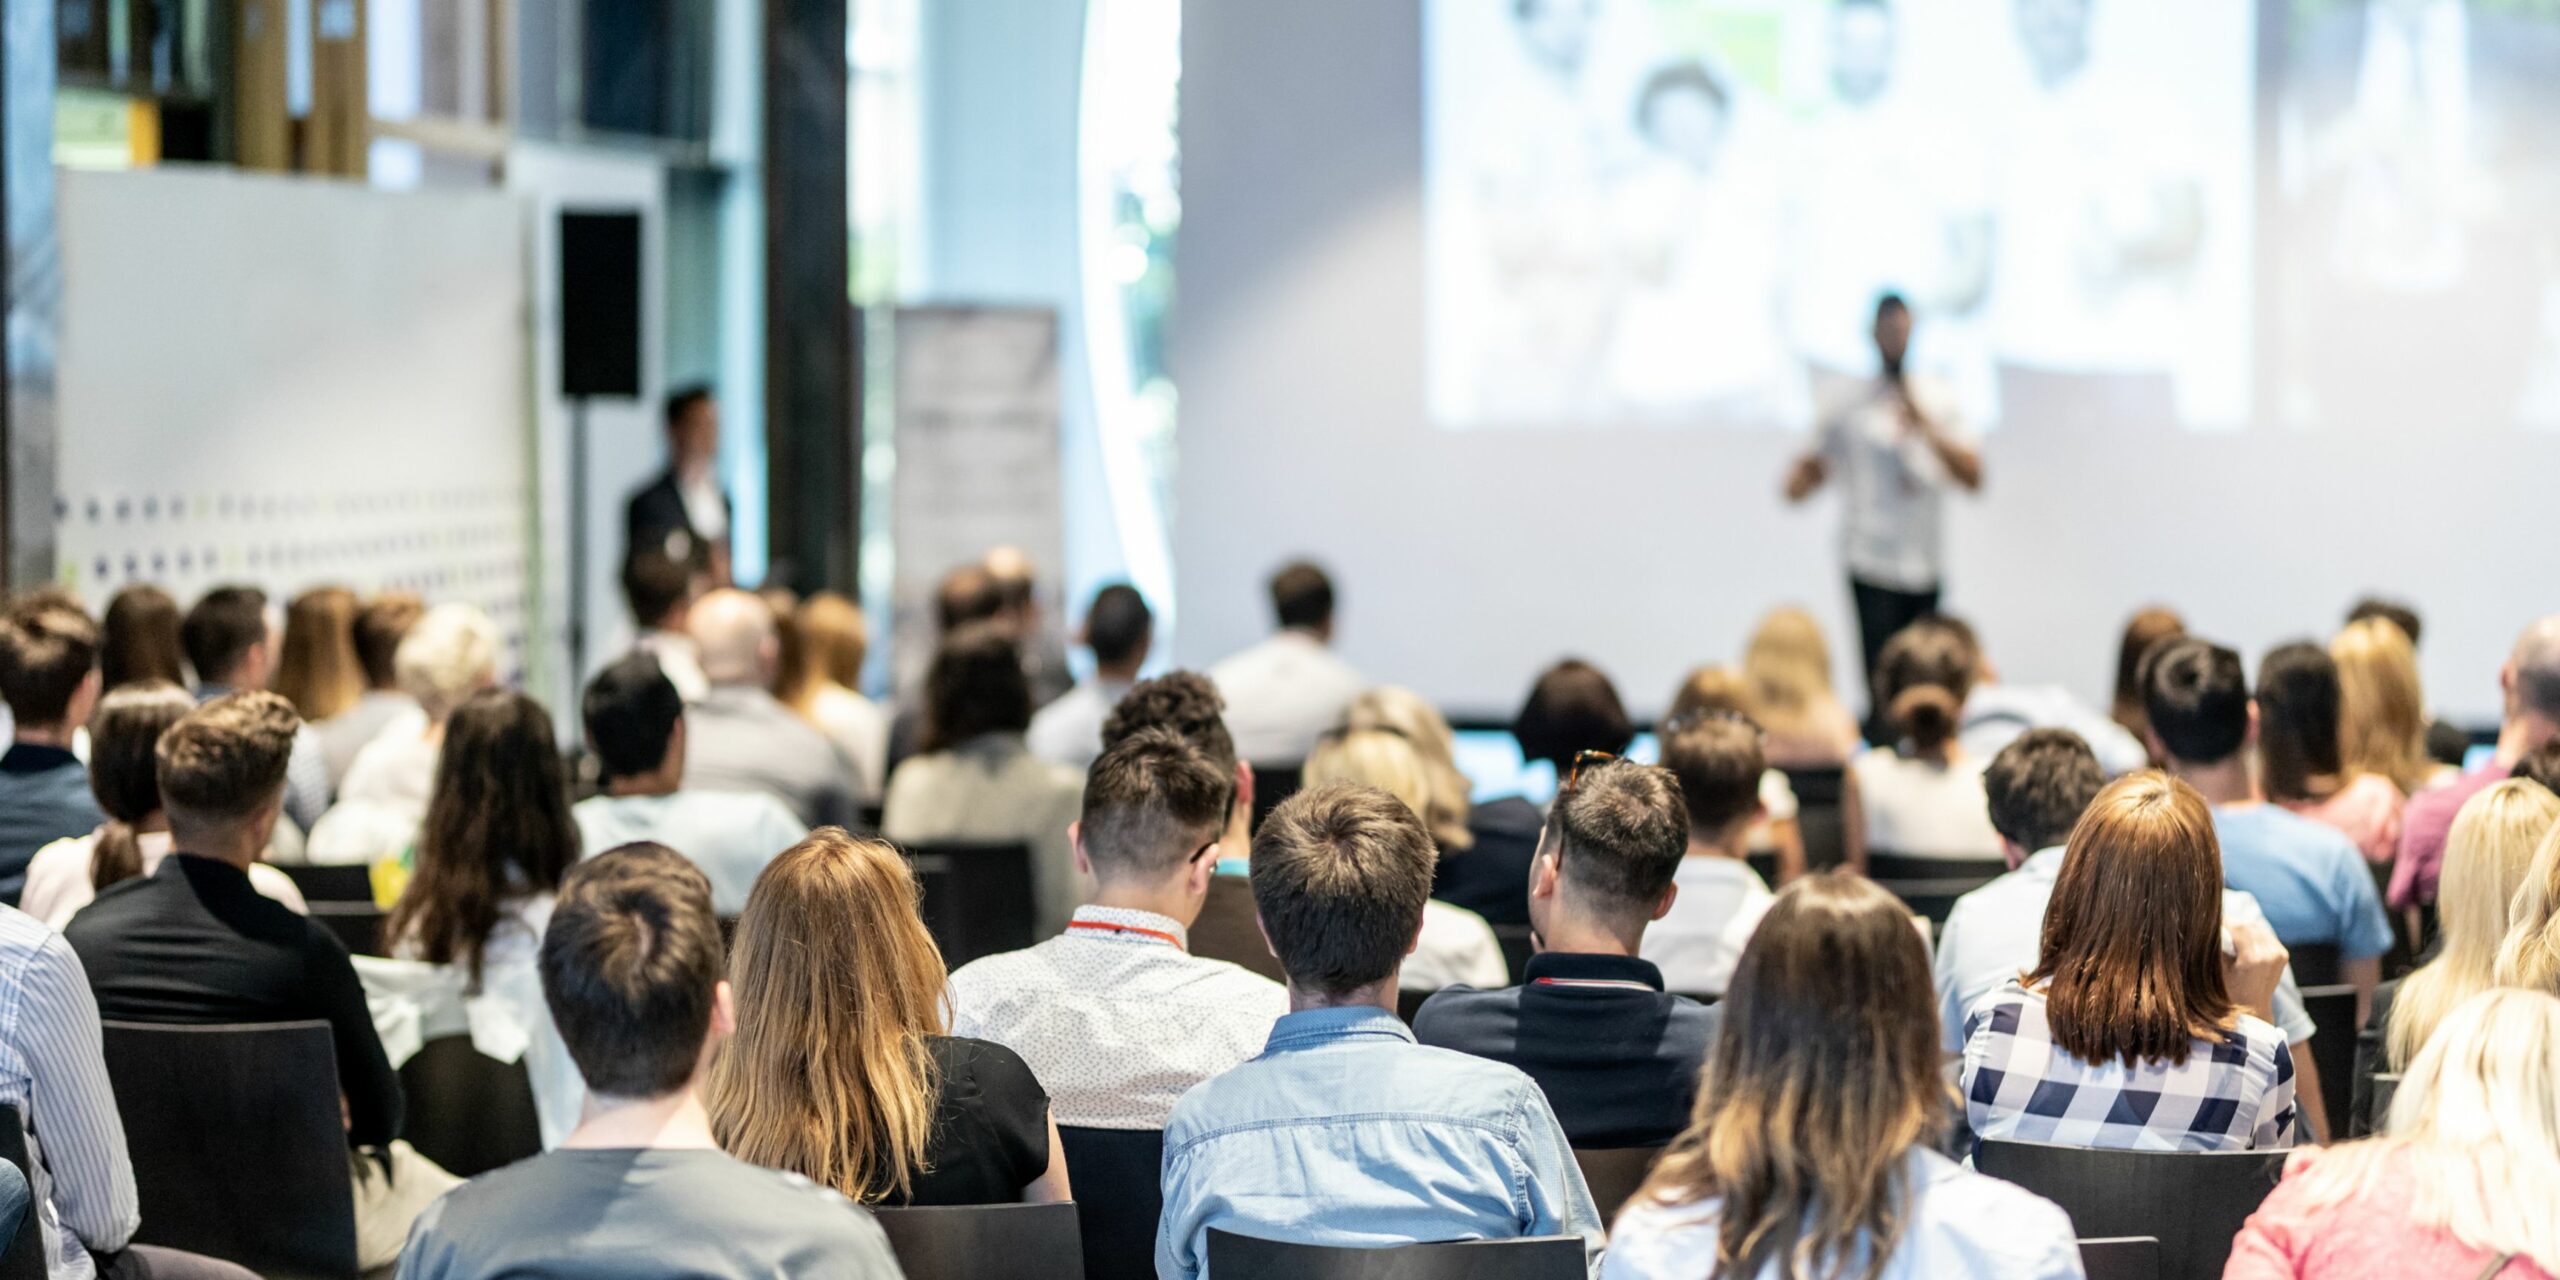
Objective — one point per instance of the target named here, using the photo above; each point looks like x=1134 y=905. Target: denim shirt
x=1346 y=1132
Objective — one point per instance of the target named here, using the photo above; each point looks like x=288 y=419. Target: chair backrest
x=1273 y=783
x=985 y=1242
x=1235 y=1257
x=1409 y=1003
x=2315 y=964
x=467 y=1111
x=2332 y=1010
x=1516 y=946
x=1821 y=822
x=1904 y=866
x=1613 y=1174
x=238 y=1147
x=1226 y=929
x=23 y=1258
x=976 y=896
x=340 y=897
x=2123 y=1258
x=2191 y=1202
x=1119 y=1196
x=2386 y=1085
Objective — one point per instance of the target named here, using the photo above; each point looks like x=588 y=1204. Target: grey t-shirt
x=634 y=1214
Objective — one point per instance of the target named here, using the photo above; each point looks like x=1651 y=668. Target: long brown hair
x=2132 y=956
x=838 y=986
x=2298 y=756
x=319 y=672
x=1823 y=1079
x=138 y=639
x=124 y=771
x=497 y=827
x=2142 y=632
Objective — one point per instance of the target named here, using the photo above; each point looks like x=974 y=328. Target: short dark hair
x=975 y=686
x=2299 y=697
x=2197 y=696
x=1890 y=301
x=1183 y=701
x=1571 y=709
x=47 y=648
x=1621 y=832
x=1118 y=623
x=2394 y=612
x=653 y=584
x=381 y=625
x=631 y=710
x=1718 y=762
x=226 y=759
x=682 y=400
x=1340 y=876
x=2542 y=764
x=2039 y=785
x=1150 y=801
x=967 y=594
x=1301 y=596
x=631 y=967
x=221 y=630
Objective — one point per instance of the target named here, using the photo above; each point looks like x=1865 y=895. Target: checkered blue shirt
x=2231 y=1094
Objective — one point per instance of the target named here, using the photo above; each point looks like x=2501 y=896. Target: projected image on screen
x=1682 y=211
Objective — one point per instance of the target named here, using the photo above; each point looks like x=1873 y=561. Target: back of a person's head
x=967 y=594
x=631 y=711
x=1717 y=761
x=2197 y=697
x=2394 y=612
x=2534 y=665
x=631 y=969
x=1787 y=668
x=48 y=649
x=735 y=633
x=497 y=827
x=839 y=985
x=835 y=638
x=2382 y=708
x=1302 y=597
x=124 y=770
x=1118 y=625
x=381 y=625
x=2142 y=632
x=138 y=638
x=1620 y=833
x=1152 y=801
x=450 y=653
x=1183 y=701
x=1380 y=758
x=2298 y=702
x=1823 y=1079
x=1450 y=800
x=1709 y=691
x=2039 y=785
x=2488 y=856
x=655 y=585
x=1922 y=678
x=220 y=630
x=1571 y=709
x=2131 y=959
x=1017 y=580
x=976 y=686
x=316 y=668
x=1340 y=876
x=224 y=762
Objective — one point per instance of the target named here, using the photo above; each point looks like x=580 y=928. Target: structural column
x=33 y=272
x=813 y=377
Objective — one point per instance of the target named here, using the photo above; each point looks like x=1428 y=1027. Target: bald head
x=2533 y=672
x=734 y=630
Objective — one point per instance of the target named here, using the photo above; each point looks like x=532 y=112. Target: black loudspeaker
x=599 y=304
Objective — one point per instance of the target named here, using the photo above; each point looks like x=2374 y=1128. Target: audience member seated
x=2134 y=1029
x=2488 y=862
x=1922 y=797
x=1814 y=1146
x=1020 y=612
x=1344 y=1131
x=636 y=727
x=2382 y=709
x=1185 y=702
x=965 y=595
x=2529 y=685
x=231 y=644
x=1572 y=710
x=2141 y=632
x=124 y=775
x=2308 y=878
x=1589 y=1020
x=2447 y=743
x=1715 y=691
x=450 y=653
x=138 y=639
x=1456 y=946
x=822 y=685
x=2299 y=763
x=194 y=943
x=739 y=737
x=1119 y=630
x=1289 y=690
x=49 y=677
x=1485 y=850
x=1786 y=671
x=641 y=1191
x=660 y=591
x=2461 y=1181
x=1717 y=762
x=840 y=1070
x=1115 y=1016
x=976 y=780
x=380 y=625
x=316 y=667
x=2530 y=957
x=1996 y=712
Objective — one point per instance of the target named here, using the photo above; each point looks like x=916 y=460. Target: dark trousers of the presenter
x=1881 y=612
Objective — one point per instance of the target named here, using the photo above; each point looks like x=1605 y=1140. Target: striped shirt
x=53 y=1071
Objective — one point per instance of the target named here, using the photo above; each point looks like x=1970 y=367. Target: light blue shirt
x=2309 y=878
x=1345 y=1132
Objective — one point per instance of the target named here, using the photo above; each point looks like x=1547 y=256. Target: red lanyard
x=1105 y=926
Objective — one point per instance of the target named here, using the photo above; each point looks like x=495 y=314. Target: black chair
x=1903 y=866
x=1235 y=1257
x=1226 y=929
x=1614 y=1174
x=2315 y=964
x=1933 y=900
x=23 y=1258
x=341 y=899
x=2386 y=1086
x=1273 y=783
x=1763 y=865
x=2133 y=1258
x=985 y=1242
x=976 y=897
x=1119 y=1196
x=237 y=1143
x=2333 y=1050
x=2191 y=1202
x=466 y=1111
x=1409 y=1003
x=1821 y=819
x=1517 y=947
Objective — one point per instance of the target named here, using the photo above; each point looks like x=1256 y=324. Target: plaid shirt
x=2232 y=1094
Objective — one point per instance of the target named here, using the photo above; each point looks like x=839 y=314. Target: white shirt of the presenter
x=1891 y=482
x=704 y=506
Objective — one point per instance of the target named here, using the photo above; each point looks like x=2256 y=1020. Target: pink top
x=2367 y=810
x=2364 y=1238
x=2423 y=827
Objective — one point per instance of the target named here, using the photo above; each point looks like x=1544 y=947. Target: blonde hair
x=2530 y=955
x=833 y=640
x=2474 y=1132
x=2487 y=855
x=838 y=986
x=1381 y=758
x=2382 y=710
x=1449 y=800
x=451 y=653
x=1786 y=671
x=318 y=671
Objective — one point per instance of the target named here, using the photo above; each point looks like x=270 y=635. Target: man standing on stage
x=1896 y=446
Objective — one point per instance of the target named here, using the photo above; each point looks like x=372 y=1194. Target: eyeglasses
x=1592 y=760
x=1688 y=720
